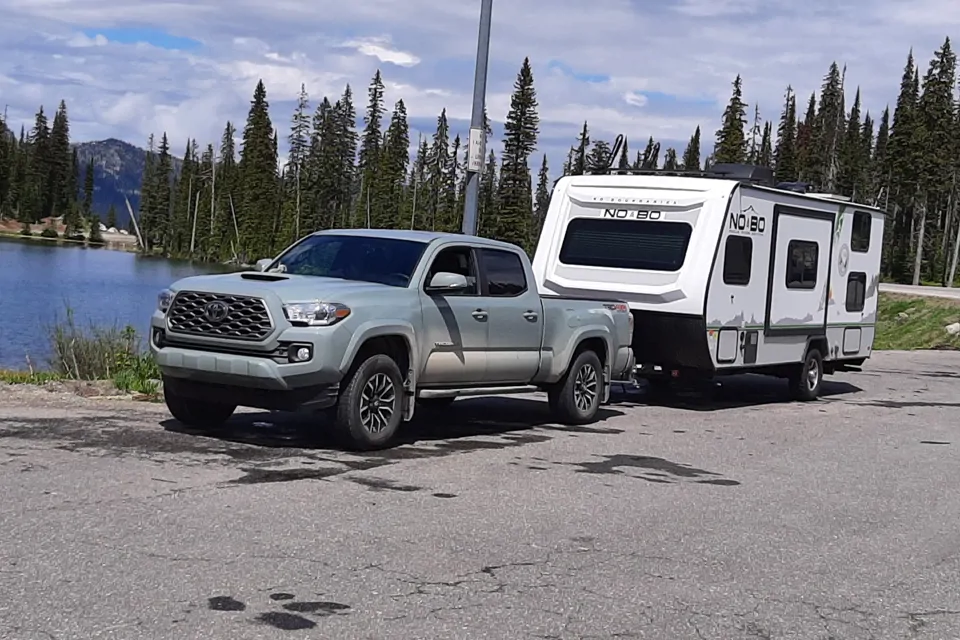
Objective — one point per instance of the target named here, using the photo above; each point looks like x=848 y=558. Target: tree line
x=239 y=205
x=40 y=177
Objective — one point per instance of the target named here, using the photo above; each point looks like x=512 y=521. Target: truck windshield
x=388 y=261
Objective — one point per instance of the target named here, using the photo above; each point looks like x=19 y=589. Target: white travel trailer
x=724 y=272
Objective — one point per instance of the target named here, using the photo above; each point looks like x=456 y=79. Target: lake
x=38 y=281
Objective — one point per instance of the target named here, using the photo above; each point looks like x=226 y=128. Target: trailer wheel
x=575 y=398
x=805 y=384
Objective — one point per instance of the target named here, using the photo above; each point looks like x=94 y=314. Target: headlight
x=315 y=314
x=164 y=300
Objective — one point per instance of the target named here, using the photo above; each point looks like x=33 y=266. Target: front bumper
x=264 y=365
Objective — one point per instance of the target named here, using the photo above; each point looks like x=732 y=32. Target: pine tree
x=691 y=155
x=670 y=160
x=112 y=217
x=903 y=160
x=393 y=171
x=96 y=236
x=599 y=156
x=88 y=190
x=580 y=152
x=161 y=198
x=521 y=128
x=765 y=155
x=541 y=202
x=785 y=156
x=368 y=206
x=258 y=175
x=731 y=144
x=829 y=130
x=806 y=143
x=437 y=209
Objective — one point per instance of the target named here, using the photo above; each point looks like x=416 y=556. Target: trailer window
x=737 y=260
x=802 y=258
x=860 y=234
x=856 y=291
x=626 y=244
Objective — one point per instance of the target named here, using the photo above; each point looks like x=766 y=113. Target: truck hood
x=289 y=288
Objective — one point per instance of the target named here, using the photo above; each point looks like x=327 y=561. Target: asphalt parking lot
x=740 y=516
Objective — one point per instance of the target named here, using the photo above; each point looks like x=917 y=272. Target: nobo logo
x=633 y=214
x=747 y=221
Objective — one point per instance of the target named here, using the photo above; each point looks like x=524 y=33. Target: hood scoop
x=263 y=277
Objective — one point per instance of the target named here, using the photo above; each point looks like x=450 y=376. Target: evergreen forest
x=238 y=205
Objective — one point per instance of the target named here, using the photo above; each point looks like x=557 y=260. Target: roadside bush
x=102 y=353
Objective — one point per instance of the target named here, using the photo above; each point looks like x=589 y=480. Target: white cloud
x=689 y=49
x=380 y=49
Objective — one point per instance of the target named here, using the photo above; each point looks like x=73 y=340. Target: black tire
x=358 y=428
x=436 y=403
x=805 y=384
x=199 y=414
x=567 y=396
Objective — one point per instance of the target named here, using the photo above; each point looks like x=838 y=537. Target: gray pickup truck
x=369 y=323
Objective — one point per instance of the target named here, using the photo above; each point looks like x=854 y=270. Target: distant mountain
x=117 y=172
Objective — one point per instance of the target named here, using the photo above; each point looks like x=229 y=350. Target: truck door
x=455 y=325
x=799 y=272
x=516 y=328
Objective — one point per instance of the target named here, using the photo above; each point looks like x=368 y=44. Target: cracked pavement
x=736 y=515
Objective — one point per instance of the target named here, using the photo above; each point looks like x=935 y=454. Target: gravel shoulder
x=740 y=516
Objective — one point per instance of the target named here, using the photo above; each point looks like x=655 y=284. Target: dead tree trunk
x=918 y=258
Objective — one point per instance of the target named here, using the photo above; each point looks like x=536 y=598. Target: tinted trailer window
x=626 y=244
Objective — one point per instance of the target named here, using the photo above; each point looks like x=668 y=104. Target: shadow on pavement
x=459 y=427
x=728 y=392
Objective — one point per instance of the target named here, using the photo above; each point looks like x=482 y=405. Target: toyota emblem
x=216 y=311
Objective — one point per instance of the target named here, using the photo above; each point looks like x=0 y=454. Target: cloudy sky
x=128 y=69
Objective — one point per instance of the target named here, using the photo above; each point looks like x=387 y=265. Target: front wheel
x=369 y=410
x=199 y=414
x=805 y=385
x=575 y=398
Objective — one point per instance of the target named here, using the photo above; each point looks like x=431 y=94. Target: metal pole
x=477 y=142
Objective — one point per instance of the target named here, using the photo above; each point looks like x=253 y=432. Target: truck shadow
x=466 y=425
x=729 y=392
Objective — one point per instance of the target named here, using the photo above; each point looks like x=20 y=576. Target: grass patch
x=94 y=353
x=909 y=323
x=28 y=377
x=102 y=353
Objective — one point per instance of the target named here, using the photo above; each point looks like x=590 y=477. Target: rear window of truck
x=626 y=244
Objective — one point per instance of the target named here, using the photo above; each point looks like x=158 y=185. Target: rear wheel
x=370 y=405
x=805 y=383
x=575 y=398
x=200 y=414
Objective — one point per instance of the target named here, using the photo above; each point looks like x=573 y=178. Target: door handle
x=531 y=315
x=480 y=314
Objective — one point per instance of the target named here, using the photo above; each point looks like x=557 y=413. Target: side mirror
x=445 y=282
x=263 y=263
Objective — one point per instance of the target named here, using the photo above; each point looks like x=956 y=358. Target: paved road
x=927 y=292
x=741 y=517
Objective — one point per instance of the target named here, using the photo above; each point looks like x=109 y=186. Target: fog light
x=299 y=353
x=158 y=337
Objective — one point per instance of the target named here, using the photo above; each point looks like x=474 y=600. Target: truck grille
x=219 y=316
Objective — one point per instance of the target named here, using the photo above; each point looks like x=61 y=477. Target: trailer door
x=799 y=282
